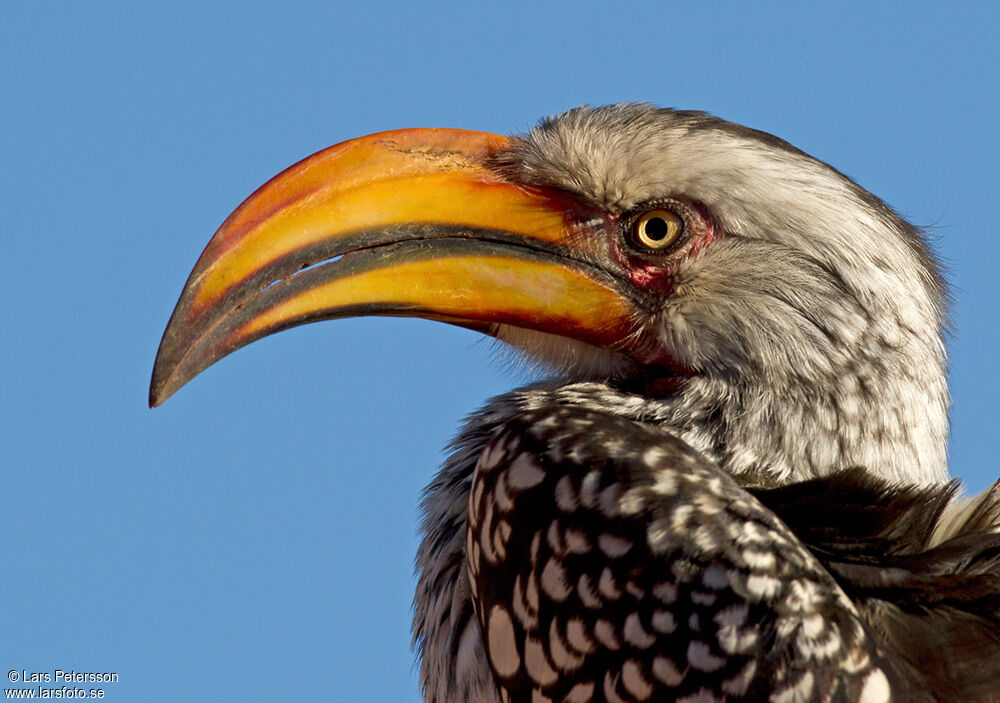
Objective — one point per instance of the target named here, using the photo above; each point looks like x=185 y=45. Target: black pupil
x=657 y=228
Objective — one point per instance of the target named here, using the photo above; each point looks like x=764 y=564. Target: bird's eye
x=657 y=230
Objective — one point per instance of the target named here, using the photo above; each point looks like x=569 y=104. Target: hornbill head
x=775 y=315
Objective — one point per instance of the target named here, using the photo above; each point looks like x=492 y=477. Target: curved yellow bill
x=406 y=223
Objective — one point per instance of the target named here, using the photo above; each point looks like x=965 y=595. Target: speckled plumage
x=673 y=579
x=812 y=333
x=832 y=602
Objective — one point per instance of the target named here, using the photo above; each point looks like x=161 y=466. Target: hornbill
x=732 y=484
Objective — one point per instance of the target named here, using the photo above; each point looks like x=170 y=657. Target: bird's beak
x=406 y=223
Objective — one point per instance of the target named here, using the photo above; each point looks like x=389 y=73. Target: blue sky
x=253 y=538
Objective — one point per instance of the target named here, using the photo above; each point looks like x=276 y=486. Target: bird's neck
x=887 y=413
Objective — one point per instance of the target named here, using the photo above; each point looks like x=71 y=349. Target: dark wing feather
x=611 y=562
x=934 y=606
